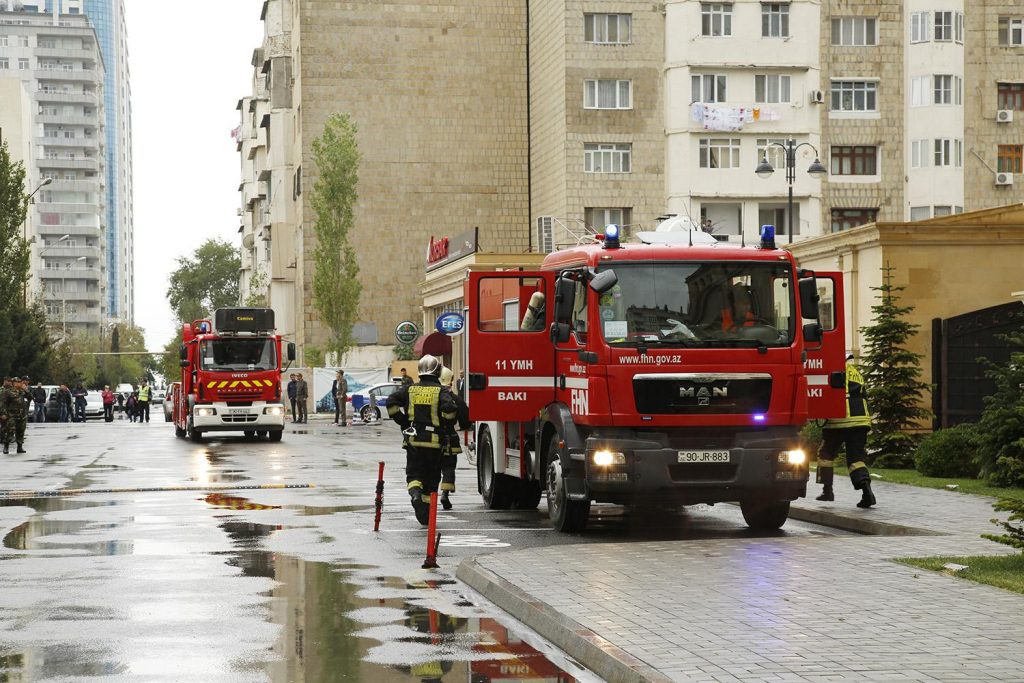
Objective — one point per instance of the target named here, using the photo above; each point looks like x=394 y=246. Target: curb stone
x=859 y=524
x=591 y=650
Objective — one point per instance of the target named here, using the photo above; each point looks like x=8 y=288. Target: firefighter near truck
x=231 y=376
x=670 y=372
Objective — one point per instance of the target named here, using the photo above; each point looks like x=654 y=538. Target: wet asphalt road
x=264 y=584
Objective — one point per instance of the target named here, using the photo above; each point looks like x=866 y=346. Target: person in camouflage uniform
x=13 y=413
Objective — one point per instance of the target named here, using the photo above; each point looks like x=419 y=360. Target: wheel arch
x=557 y=423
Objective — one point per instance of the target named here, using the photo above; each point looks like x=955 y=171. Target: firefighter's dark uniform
x=430 y=409
x=852 y=431
x=450 y=454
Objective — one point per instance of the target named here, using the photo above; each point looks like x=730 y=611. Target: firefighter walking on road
x=13 y=413
x=852 y=431
x=426 y=413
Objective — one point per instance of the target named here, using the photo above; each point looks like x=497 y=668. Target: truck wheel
x=567 y=516
x=193 y=433
x=179 y=432
x=765 y=515
x=276 y=434
x=497 y=489
x=530 y=493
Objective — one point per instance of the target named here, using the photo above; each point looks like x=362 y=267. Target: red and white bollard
x=432 y=541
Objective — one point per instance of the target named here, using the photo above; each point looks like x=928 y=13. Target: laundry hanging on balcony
x=730 y=118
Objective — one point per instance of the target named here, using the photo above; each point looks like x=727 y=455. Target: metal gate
x=958 y=345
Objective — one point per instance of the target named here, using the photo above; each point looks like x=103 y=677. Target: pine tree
x=892 y=372
x=1001 y=427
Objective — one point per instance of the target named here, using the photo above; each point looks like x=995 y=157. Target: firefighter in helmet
x=426 y=412
x=852 y=431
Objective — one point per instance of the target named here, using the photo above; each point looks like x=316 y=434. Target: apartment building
x=58 y=61
x=597 y=150
x=438 y=93
x=742 y=78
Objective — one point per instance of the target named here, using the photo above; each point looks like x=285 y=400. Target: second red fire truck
x=675 y=371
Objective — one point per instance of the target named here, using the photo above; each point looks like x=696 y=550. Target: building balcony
x=79 y=185
x=80 y=142
x=66 y=120
x=89 y=295
x=86 y=163
x=68 y=207
x=68 y=75
x=88 y=317
x=43 y=96
x=69 y=252
x=55 y=232
x=65 y=274
x=66 y=53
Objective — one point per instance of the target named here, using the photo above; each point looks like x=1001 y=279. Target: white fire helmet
x=430 y=365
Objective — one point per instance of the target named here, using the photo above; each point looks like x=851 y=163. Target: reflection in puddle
x=347 y=622
x=58 y=662
x=40 y=533
x=219 y=500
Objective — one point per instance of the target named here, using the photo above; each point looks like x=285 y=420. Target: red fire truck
x=675 y=371
x=231 y=376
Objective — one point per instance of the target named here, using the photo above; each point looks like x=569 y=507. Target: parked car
x=158 y=396
x=94 y=404
x=369 y=404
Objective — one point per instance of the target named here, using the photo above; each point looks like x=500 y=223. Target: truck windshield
x=717 y=304
x=238 y=354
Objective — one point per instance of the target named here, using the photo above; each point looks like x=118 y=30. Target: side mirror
x=565 y=294
x=809 y=299
x=560 y=333
x=604 y=281
x=183 y=353
x=291 y=350
x=184 y=363
x=813 y=333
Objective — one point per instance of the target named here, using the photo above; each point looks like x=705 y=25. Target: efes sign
x=442 y=250
x=450 y=323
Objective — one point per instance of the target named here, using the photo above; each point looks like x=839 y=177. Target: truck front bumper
x=658 y=468
x=224 y=417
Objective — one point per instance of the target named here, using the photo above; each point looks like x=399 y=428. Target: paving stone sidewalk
x=812 y=608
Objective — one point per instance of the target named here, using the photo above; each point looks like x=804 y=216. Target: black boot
x=445 y=503
x=867 y=497
x=826 y=494
x=7 y=449
x=21 y=450
x=419 y=506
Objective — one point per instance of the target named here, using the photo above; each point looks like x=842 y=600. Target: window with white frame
x=854 y=31
x=607 y=94
x=768 y=148
x=948 y=89
x=943 y=26
x=598 y=217
x=719 y=152
x=919 y=154
x=23 y=63
x=607 y=29
x=920 y=91
x=771 y=88
x=948 y=152
x=959 y=33
x=774 y=19
x=854 y=96
x=4 y=63
x=716 y=19
x=3 y=41
x=920 y=213
x=920 y=27
x=1011 y=31
x=707 y=88
x=23 y=41
x=606 y=157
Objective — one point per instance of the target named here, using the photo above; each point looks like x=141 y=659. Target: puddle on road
x=347 y=621
x=36 y=532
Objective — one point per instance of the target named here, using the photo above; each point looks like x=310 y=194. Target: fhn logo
x=704 y=394
x=579 y=402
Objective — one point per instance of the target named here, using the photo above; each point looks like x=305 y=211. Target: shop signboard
x=406 y=332
x=442 y=250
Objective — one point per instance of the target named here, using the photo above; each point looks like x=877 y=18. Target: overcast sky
x=189 y=63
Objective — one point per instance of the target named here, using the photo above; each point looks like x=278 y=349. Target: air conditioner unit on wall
x=817 y=97
x=1004 y=179
x=1004 y=116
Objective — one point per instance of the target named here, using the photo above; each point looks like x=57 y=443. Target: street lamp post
x=815 y=170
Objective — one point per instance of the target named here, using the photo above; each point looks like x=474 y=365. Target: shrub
x=1001 y=427
x=1014 y=536
x=949 y=452
x=810 y=439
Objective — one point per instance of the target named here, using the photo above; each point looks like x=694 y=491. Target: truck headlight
x=273 y=410
x=202 y=411
x=793 y=457
x=604 y=458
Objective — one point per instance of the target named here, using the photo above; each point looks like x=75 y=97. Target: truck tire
x=276 y=434
x=194 y=434
x=497 y=490
x=567 y=516
x=761 y=515
x=530 y=493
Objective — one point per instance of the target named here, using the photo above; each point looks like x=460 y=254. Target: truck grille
x=702 y=472
x=238 y=418
x=706 y=396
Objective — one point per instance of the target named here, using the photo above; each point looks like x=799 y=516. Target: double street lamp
x=815 y=170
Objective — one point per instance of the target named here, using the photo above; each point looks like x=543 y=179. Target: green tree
x=336 y=286
x=1001 y=427
x=205 y=281
x=891 y=372
x=26 y=346
x=170 y=365
x=256 y=293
